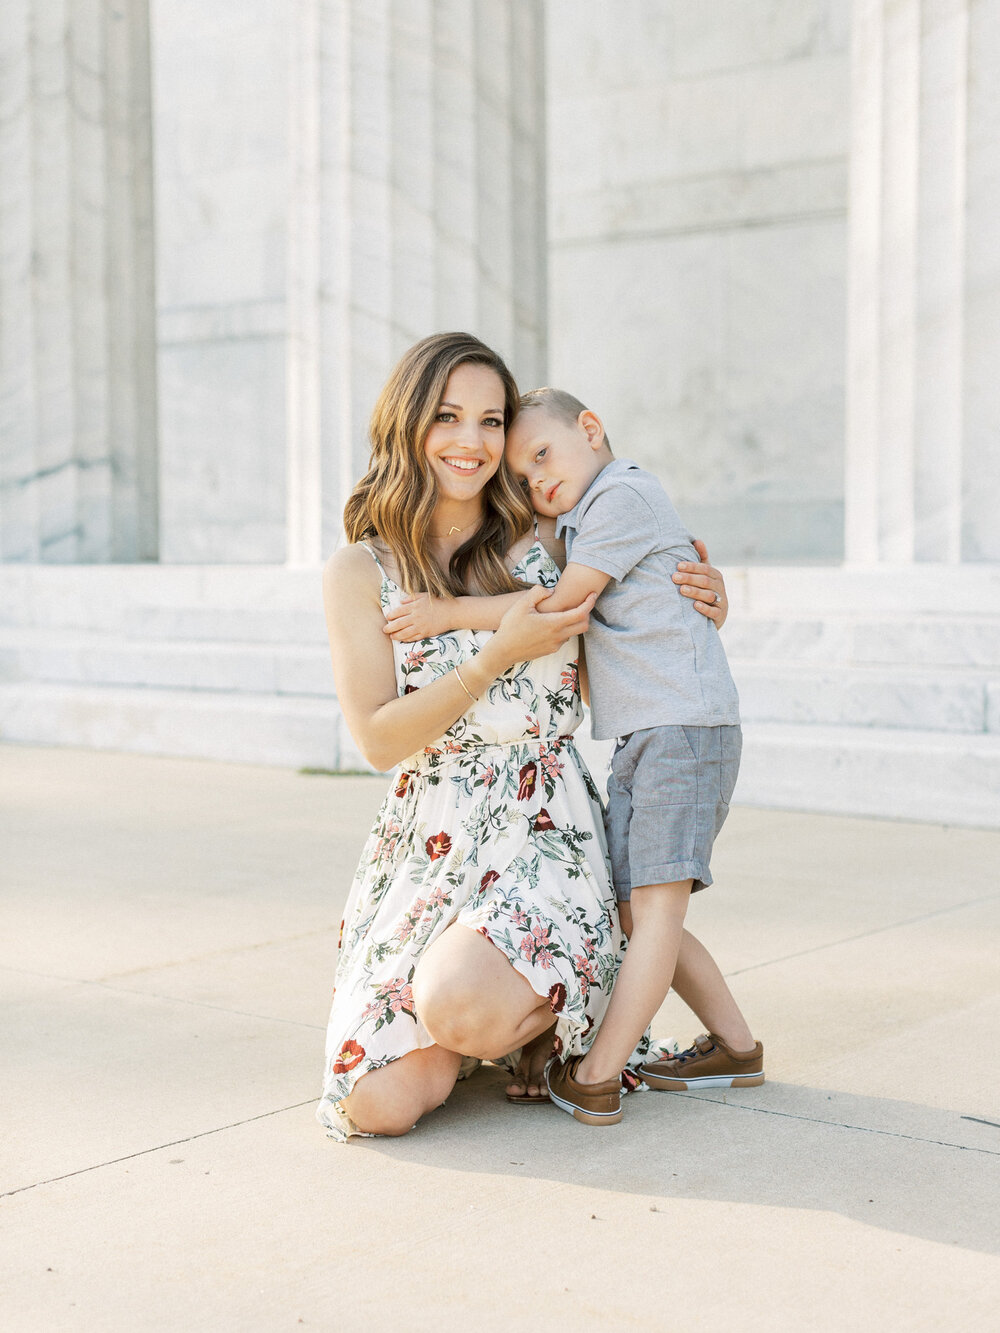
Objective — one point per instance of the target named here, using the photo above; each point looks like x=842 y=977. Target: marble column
x=78 y=470
x=417 y=205
x=923 y=409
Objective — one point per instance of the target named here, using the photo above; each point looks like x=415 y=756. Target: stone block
x=945 y=641
x=898 y=591
x=713 y=353
x=264 y=625
x=903 y=698
x=870 y=771
x=252 y=728
x=222 y=453
x=993 y=706
x=304 y=671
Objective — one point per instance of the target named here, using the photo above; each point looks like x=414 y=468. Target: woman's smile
x=464 y=464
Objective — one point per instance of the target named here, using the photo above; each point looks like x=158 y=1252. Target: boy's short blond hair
x=557 y=403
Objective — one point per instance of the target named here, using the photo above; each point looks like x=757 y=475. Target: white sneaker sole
x=585 y=1117
x=663 y=1083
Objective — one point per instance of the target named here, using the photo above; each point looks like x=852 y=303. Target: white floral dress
x=496 y=826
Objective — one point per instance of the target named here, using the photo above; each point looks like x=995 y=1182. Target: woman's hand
x=705 y=585
x=525 y=632
x=418 y=617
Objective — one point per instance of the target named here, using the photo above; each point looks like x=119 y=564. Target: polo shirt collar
x=571 y=519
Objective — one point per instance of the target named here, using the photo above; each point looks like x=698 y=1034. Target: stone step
x=159 y=600
x=101 y=659
x=289 y=731
x=866 y=640
x=956 y=699
x=893 y=774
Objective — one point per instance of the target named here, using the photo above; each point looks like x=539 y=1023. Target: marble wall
x=78 y=468
x=221 y=138
x=334 y=181
x=923 y=461
x=698 y=194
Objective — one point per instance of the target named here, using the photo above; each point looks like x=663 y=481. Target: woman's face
x=465 y=444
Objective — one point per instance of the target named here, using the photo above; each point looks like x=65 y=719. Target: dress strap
x=371 y=551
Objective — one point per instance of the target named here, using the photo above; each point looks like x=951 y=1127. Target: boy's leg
x=702 y=987
x=643 y=981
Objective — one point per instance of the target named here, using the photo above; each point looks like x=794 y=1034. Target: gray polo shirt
x=653 y=660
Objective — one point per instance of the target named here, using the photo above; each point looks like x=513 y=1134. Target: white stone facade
x=334 y=180
x=78 y=468
x=759 y=240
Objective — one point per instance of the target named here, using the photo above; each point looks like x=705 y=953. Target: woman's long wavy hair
x=395 y=499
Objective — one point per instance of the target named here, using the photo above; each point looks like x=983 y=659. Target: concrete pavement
x=166 y=956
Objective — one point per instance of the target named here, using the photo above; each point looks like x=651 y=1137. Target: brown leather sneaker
x=709 y=1063
x=591 y=1103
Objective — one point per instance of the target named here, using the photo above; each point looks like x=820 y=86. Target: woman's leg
x=391 y=1100
x=528 y=1079
x=470 y=999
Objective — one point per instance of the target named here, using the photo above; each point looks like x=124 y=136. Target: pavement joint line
x=222 y=953
x=839 y=1124
x=145 y=1152
x=171 y=999
x=203 y=1004
x=865 y=934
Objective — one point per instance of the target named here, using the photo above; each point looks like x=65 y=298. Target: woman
x=481 y=916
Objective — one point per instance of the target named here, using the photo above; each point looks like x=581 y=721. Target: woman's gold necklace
x=442 y=536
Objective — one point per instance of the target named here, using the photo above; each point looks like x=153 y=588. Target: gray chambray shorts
x=668 y=796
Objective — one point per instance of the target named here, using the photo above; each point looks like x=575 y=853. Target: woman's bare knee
x=469 y=997
x=390 y=1101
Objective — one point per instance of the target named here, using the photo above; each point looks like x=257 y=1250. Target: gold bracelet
x=463 y=684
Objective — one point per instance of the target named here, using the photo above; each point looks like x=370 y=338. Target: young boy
x=660 y=684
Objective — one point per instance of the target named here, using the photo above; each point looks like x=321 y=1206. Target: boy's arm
x=423 y=617
x=575 y=583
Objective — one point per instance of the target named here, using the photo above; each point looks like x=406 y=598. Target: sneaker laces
x=695 y=1051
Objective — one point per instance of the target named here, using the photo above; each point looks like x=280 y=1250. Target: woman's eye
x=445 y=416
x=495 y=422
x=541 y=454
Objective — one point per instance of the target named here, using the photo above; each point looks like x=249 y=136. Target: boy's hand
x=419 y=617
x=704 y=584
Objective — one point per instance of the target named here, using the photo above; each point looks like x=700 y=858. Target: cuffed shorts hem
x=670 y=872
x=668 y=796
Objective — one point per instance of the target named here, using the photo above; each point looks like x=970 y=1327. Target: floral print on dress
x=496 y=826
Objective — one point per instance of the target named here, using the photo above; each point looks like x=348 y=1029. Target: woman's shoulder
x=350 y=565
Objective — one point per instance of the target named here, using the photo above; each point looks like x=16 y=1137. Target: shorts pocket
x=666 y=772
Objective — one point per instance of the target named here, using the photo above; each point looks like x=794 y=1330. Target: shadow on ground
x=783 y=1145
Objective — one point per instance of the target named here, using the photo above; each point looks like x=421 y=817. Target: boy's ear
x=593 y=427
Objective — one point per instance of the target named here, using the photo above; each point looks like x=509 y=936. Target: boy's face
x=555 y=459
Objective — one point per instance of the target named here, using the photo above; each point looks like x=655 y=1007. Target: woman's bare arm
x=386 y=727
